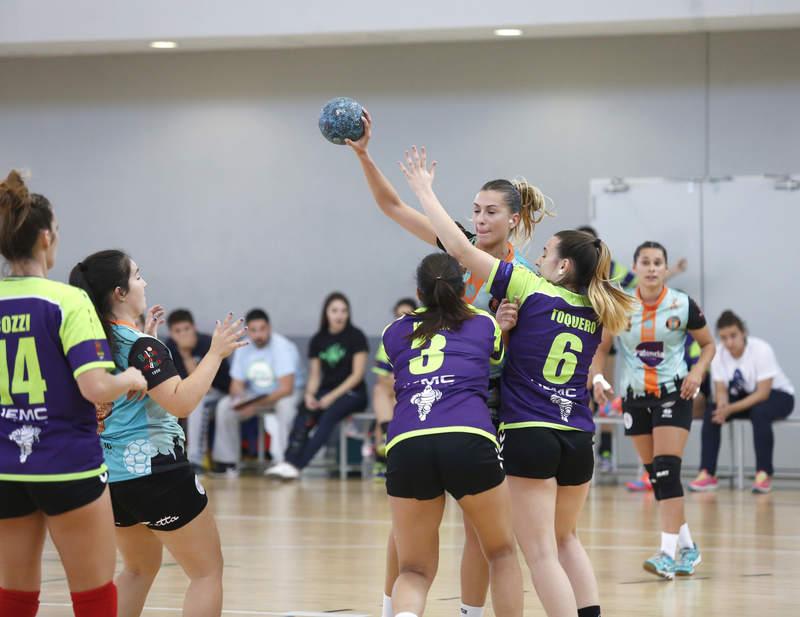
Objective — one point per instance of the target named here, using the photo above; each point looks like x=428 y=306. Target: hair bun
x=13 y=192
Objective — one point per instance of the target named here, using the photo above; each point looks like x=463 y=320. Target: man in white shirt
x=265 y=375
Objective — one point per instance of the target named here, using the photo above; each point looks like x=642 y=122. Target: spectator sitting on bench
x=187 y=347
x=748 y=383
x=264 y=375
x=335 y=389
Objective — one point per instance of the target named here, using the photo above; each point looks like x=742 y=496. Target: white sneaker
x=275 y=471
x=231 y=473
x=288 y=471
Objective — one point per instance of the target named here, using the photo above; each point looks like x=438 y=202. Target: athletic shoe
x=379 y=471
x=224 y=470
x=688 y=558
x=642 y=485
x=275 y=471
x=703 y=483
x=283 y=471
x=763 y=483
x=611 y=408
x=661 y=564
x=604 y=463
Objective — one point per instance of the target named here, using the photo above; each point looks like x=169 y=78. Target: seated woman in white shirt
x=748 y=383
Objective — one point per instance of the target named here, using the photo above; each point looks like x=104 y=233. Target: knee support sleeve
x=668 y=477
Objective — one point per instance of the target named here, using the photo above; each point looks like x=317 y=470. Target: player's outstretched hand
x=415 y=169
x=155 y=317
x=228 y=336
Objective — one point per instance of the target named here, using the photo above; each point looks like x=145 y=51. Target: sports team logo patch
x=150 y=358
x=674 y=323
x=650 y=353
x=25 y=437
x=424 y=401
x=98 y=349
x=564 y=406
x=627 y=420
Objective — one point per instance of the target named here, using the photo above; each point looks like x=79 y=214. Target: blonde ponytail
x=533 y=208
x=612 y=305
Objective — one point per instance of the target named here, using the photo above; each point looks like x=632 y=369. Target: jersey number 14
x=27 y=376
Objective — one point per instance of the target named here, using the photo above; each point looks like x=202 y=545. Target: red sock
x=100 y=602
x=18 y=603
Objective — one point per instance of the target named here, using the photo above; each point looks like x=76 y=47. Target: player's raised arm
x=385 y=194
x=420 y=179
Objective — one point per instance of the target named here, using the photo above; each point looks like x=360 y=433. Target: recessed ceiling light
x=163 y=44
x=508 y=32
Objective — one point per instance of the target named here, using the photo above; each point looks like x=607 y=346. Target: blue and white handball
x=340 y=119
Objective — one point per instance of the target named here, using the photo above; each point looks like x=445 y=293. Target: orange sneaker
x=763 y=483
x=642 y=485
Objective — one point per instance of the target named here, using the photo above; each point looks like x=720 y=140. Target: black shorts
x=164 y=501
x=642 y=416
x=52 y=498
x=541 y=452
x=425 y=467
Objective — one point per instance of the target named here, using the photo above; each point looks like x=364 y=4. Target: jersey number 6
x=561 y=364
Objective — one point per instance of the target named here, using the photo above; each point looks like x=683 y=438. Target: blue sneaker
x=661 y=564
x=688 y=558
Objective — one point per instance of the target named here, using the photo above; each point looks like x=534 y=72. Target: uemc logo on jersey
x=427 y=398
x=651 y=353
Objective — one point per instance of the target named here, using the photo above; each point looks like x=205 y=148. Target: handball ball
x=340 y=119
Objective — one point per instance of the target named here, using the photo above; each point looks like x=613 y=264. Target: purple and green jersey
x=549 y=352
x=49 y=335
x=442 y=386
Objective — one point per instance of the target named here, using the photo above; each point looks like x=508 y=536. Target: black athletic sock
x=589 y=611
x=605 y=442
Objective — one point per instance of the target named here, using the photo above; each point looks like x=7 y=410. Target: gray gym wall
x=210 y=170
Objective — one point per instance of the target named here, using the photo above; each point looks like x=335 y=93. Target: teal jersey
x=140 y=437
x=653 y=346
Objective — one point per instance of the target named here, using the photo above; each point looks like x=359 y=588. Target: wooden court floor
x=317 y=546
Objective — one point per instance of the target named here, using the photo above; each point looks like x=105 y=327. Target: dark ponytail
x=99 y=275
x=441 y=289
x=22 y=216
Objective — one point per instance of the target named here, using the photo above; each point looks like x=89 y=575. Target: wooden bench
x=735 y=434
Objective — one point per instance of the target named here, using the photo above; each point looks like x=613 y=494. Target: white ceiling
x=66 y=27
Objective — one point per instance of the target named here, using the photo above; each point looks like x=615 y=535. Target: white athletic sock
x=387 y=606
x=669 y=543
x=406 y=614
x=471 y=611
x=685 y=537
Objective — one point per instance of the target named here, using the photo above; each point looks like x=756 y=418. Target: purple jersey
x=49 y=335
x=442 y=387
x=549 y=352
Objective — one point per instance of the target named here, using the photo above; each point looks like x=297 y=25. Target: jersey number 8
x=25 y=364
x=429 y=359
